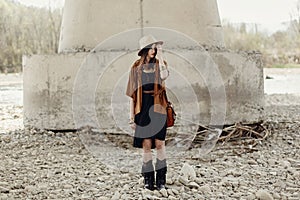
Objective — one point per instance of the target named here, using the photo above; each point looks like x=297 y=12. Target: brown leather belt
x=148 y=91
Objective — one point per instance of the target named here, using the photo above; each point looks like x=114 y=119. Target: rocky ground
x=39 y=164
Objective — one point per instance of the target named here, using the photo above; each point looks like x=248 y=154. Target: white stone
x=193 y=185
x=285 y=164
x=170 y=181
x=175 y=191
x=116 y=196
x=170 y=192
x=272 y=162
x=157 y=193
x=276 y=195
x=252 y=162
x=4 y=184
x=199 y=180
x=172 y=197
x=103 y=198
x=183 y=180
x=124 y=197
x=164 y=192
x=205 y=189
x=263 y=195
x=188 y=172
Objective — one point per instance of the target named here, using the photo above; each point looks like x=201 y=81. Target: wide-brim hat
x=146 y=41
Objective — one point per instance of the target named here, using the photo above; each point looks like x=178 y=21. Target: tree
x=295 y=19
x=26 y=30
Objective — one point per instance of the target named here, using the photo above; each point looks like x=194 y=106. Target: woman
x=148 y=103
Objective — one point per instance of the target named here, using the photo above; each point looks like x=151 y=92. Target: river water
x=11 y=89
x=282 y=81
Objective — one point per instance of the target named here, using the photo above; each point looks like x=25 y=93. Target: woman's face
x=152 y=51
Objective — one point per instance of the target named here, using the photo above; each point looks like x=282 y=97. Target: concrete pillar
x=86 y=23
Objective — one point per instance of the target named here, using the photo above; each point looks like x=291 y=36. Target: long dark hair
x=144 y=53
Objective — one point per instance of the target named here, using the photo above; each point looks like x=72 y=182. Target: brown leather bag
x=171 y=115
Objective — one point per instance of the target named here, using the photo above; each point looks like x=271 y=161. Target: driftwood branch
x=249 y=135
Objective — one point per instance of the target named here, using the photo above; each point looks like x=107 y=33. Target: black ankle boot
x=148 y=174
x=161 y=171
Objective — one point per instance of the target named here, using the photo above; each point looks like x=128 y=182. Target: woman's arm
x=131 y=114
x=131 y=92
x=164 y=72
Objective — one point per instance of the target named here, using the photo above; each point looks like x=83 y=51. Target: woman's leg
x=161 y=149
x=161 y=164
x=147 y=154
x=147 y=168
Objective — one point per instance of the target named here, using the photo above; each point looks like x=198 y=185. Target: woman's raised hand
x=159 y=53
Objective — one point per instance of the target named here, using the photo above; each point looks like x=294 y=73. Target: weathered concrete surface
x=86 y=23
x=98 y=90
x=72 y=90
x=198 y=19
x=48 y=82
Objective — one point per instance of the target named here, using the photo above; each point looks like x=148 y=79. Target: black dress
x=149 y=124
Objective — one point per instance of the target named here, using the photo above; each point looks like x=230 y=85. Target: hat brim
x=158 y=42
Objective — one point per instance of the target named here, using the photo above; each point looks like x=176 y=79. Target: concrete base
x=74 y=90
x=48 y=82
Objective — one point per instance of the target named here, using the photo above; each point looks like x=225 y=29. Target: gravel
x=41 y=164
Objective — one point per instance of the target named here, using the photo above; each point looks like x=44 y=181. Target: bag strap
x=159 y=91
x=165 y=93
x=168 y=102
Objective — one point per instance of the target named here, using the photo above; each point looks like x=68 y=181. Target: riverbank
x=39 y=164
